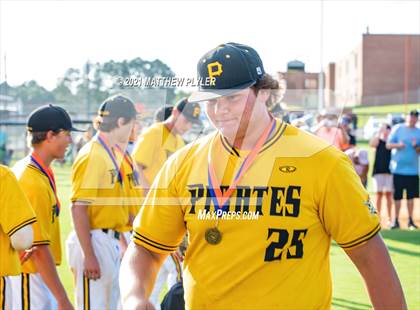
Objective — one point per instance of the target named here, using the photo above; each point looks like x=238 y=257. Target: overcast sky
x=41 y=39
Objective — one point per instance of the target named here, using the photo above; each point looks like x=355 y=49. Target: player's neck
x=170 y=125
x=43 y=154
x=110 y=138
x=253 y=133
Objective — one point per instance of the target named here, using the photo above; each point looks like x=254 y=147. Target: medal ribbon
x=37 y=162
x=128 y=159
x=219 y=198
x=111 y=155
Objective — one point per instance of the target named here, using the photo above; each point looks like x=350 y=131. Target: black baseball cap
x=163 y=113
x=50 y=117
x=227 y=69
x=117 y=106
x=191 y=110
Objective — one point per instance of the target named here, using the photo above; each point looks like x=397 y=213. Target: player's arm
x=45 y=265
x=138 y=272
x=82 y=227
x=22 y=238
x=374 y=264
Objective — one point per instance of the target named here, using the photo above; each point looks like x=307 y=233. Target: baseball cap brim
x=209 y=94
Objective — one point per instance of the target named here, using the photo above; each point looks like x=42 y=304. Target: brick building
x=381 y=69
x=301 y=86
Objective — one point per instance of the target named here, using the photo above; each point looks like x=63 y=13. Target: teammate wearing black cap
x=102 y=175
x=162 y=139
x=39 y=286
x=260 y=200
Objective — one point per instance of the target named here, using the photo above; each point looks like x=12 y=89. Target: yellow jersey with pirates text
x=15 y=213
x=153 y=148
x=277 y=227
x=41 y=196
x=95 y=183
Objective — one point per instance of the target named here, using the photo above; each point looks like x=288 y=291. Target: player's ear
x=50 y=135
x=263 y=95
x=120 y=122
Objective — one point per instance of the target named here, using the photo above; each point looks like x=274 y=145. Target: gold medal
x=213 y=235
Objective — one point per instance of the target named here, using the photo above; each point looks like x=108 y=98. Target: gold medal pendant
x=213 y=236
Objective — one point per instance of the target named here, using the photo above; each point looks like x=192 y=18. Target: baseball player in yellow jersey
x=162 y=139
x=39 y=286
x=261 y=201
x=16 y=233
x=100 y=212
x=133 y=193
x=154 y=147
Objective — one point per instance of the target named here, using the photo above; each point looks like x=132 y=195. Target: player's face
x=124 y=130
x=59 y=143
x=231 y=115
x=182 y=124
x=135 y=131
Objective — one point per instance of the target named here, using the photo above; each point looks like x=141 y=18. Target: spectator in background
x=382 y=177
x=404 y=141
x=3 y=149
x=354 y=120
x=360 y=161
x=328 y=130
x=84 y=138
x=345 y=126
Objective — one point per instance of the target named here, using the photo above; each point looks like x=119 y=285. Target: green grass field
x=364 y=113
x=349 y=291
x=384 y=109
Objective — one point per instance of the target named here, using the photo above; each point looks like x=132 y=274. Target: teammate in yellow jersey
x=16 y=233
x=133 y=193
x=99 y=208
x=162 y=139
x=154 y=147
x=261 y=201
x=39 y=286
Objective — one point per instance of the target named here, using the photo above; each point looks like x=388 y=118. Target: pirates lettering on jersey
x=283 y=201
x=134 y=182
x=113 y=175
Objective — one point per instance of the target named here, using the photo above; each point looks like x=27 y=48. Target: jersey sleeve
x=160 y=227
x=345 y=210
x=143 y=152
x=87 y=178
x=43 y=207
x=15 y=211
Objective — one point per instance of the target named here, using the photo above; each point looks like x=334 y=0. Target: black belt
x=116 y=233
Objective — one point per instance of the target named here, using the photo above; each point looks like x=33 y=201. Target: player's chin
x=229 y=131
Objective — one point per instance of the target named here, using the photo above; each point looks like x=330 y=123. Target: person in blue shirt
x=3 y=148
x=404 y=141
